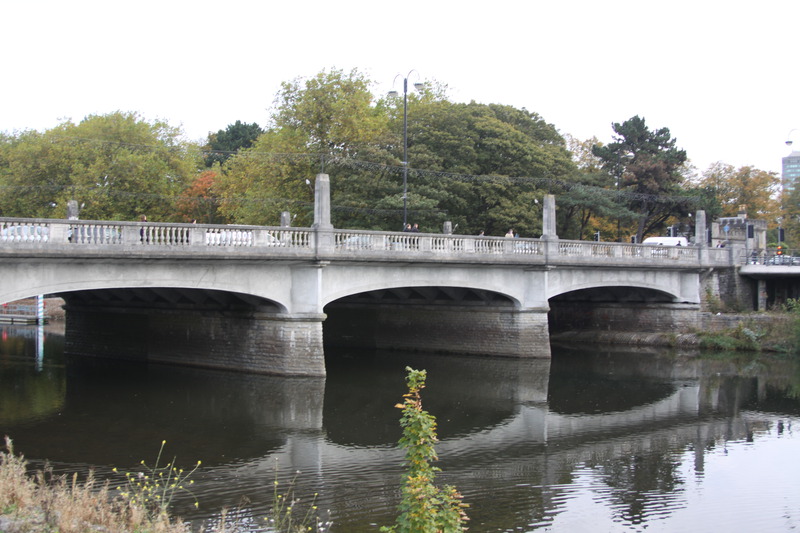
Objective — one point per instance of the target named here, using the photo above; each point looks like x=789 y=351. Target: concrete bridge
x=255 y=298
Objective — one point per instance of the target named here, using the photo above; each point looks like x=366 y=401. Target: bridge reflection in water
x=515 y=434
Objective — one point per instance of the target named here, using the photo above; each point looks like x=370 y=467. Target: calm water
x=594 y=440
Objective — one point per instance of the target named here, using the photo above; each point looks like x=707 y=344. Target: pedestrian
x=415 y=229
x=142 y=218
x=407 y=228
x=510 y=233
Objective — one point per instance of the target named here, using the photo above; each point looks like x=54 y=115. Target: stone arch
x=51 y=277
x=172 y=299
x=671 y=283
x=341 y=284
x=615 y=293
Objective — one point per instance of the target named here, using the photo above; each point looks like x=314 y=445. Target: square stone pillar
x=322 y=202
x=323 y=229
x=549 y=218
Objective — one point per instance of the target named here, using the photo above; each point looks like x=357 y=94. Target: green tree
x=116 y=166
x=590 y=200
x=757 y=190
x=650 y=167
x=316 y=122
x=483 y=167
x=488 y=164
x=224 y=143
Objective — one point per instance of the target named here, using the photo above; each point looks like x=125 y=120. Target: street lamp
x=620 y=171
x=418 y=86
x=789 y=137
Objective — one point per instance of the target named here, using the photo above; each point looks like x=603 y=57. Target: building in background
x=790 y=177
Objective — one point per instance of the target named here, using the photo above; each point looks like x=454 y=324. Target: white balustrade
x=24 y=231
x=409 y=245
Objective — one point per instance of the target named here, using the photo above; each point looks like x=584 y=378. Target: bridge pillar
x=549 y=218
x=497 y=331
x=323 y=229
x=266 y=343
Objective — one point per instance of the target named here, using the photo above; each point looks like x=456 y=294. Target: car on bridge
x=783 y=260
x=666 y=241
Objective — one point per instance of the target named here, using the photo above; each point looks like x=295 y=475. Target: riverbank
x=771 y=332
x=42 y=502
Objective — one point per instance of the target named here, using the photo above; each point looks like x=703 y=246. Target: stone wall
x=500 y=331
x=623 y=317
x=723 y=289
x=260 y=343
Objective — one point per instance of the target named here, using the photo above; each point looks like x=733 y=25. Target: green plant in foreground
x=424 y=508
x=155 y=488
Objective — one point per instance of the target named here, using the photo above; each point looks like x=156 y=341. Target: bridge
x=254 y=298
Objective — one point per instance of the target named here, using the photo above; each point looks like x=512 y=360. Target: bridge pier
x=265 y=343
x=462 y=330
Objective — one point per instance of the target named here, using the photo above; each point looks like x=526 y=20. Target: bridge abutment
x=496 y=331
x=265 y=343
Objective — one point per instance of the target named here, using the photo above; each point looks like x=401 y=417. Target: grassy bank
x=776 y=331
x=43 y=503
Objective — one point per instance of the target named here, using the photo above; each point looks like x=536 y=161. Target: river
x=597 y=439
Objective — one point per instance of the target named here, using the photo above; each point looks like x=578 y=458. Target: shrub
x=424 y=508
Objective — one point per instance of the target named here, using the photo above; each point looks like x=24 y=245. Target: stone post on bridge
x=323 y=229
x=700 y=236
x=549 y=226
x=549 y=218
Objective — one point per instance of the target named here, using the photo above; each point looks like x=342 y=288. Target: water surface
x=594 y=440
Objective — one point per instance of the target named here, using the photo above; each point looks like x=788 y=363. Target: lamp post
x=789 y=137
x=418 y=86
x=620 y=171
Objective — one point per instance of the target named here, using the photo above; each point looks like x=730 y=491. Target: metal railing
x=787 y=257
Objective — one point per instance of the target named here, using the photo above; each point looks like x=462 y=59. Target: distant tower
x=790 y=177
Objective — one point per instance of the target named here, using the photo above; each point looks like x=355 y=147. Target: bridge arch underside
x=195 y=327
x=436 y=319
x=620 y=309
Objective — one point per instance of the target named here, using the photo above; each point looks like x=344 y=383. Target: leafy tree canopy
x=756 y=190
x=224 y=143
x=115 y=166
x=648 y=165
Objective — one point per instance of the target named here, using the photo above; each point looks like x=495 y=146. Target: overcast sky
x=723 y=76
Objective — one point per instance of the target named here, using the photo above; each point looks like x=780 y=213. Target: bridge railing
x=432 y=243
x=94 y=232
x=367 y=244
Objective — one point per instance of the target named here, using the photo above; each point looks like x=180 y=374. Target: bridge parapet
x=142 y=238
x=107 y=233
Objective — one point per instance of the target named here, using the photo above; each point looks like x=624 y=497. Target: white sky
x=723 y=76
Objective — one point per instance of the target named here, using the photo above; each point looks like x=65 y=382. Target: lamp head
x=419 y=86
x=393 y=93
x=788 y=143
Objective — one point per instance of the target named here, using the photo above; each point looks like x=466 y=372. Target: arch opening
x=619 y=309
x=435 y=319
x=173 y=299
